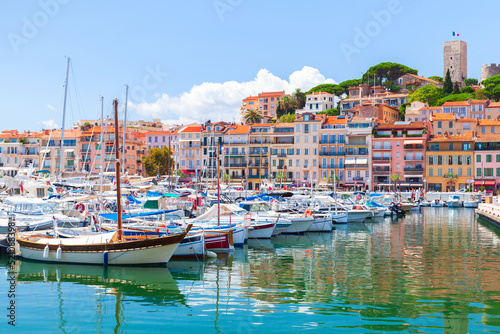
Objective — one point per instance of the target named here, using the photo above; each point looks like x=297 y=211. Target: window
x=459 y=172
x=492 y=129
x=450 y=125
x=439 y=159
x=439 y=125
x=397 y=154
x=483 y=130
x=306 y=151
x=498 y=171
x=314 y=162
x=297 y=163
x=450 y=170
x=450 y=146
x=297 y=140
x=397 y=143
x=306 y=126
x=478 y=171
x=465 y=146
x=314 y=138
x=290 y=163
x=315 y=127
x=306 y=139
x=431 y=172
x=478 y=158
x=488 y=157
x=298 y=151
x=440 y=172
x=469 y=171
x=274 y=163
x=430 y=160
x=498 y=157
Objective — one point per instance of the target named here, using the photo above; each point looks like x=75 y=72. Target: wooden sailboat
x=102 y=249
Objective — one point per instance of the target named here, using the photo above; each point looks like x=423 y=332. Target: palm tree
x=396 y=178
x=253 y=116
x=286 y=103
x=333 y=179
x=299 y=97
x=451 y=178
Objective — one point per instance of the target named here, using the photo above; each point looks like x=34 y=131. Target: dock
x=490 y=212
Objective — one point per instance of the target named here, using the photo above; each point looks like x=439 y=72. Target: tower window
x=451 y=57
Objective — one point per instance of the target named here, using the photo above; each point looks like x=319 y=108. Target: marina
x=434 y=270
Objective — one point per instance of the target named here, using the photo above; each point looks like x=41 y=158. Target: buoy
x=59 y=253
x=46 y=252
x=105 y=258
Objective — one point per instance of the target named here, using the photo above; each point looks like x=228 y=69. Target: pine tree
x=448 y=85
x=456 y=89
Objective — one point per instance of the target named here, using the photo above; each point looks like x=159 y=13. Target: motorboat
x=454 y=201
x=437 y=203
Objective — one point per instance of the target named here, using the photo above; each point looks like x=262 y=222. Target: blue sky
x=193 y=60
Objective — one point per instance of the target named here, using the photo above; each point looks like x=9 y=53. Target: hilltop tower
x=489 y=71
x=455 y=60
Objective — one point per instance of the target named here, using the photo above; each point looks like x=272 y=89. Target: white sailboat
x=103 y=249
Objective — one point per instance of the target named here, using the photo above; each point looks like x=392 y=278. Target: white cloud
x=222 y=101
x=50 y=107
x=50 y=124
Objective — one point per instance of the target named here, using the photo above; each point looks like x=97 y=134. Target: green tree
x=281 y=177
x=467 y=90
x=402 y=110
x=430 y=94
x=452 y=178
x=253 y=116
x=436 y=78
x=453 y=98
x=299 y=96
x=470 y=82
x=447 y=85
x=456 y=88
x=329 y=112
x=387 y=72
x=287 y=118
x=286 y=105
x=334 y=89
x=481 y=94
x=158 y=161
x=349 y=83
x=396 y=178
x=492 y=87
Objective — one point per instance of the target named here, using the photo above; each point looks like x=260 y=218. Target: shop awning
x=69 y=150
x=415 y=141
x=45 y=151
x=484 y=183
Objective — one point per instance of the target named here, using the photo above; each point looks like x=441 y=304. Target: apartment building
x=332 y=149
x=190 y=155
x=374 y=94
x=258 y=155
x=283 y=152
x=50 y=150
x=235 y=141
x=487 y=162
x=319 y=101
x=449 y=155
x=399 y=148
x=160 y=139
x=307 y=136
x=357 y=153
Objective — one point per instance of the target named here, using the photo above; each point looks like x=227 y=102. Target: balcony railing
x=378 y=170
x=381 y=158
x=414 y=147
x=357 y=178
x=235 y=165
x=327 y=166
x=414 y=158
x=382 y=148
x=281 y=167
x=331 y=154
x=329 y=142
x=356 y=153
x=414 y=169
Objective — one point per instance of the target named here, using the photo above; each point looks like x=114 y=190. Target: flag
x=222 y=149
x=453 y=34
x=21 y=186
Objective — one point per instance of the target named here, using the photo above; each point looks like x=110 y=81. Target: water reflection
x=436 y=270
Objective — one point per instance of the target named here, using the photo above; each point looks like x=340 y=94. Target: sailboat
x=101 y=249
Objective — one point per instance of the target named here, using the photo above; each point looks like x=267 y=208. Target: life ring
x=80 y=207
x=60 y=190
x=308 y=213
x=134 y=194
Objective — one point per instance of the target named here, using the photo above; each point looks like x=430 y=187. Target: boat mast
x=168 y=161
x=218 y=185
x=63 y=120
x=102 y=145
x=124 y=129
x=117 y=169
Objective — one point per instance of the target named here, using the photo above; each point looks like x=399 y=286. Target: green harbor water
x=437 y=271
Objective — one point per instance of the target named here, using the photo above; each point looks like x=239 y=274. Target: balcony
x=258 y=153
x=358 y=178
x=327 y=166
x=356 y=153
x=381 y=158
x=281 y=167
x=414 y=158
x=329 y=142
x=414 y=169
x=235 y=165
x=382 y=148
x=331 y=154
x=284 y=142
x=254 y=177
x=379 y=170
x=414 y=147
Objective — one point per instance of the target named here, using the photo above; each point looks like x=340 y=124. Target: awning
x=362 y=161
x=484 y=183
x=69 y=150
x=45 y=151
x=350 y=161
x=354 y=184
x=415 y=141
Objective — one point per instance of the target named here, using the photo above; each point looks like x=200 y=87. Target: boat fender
x=46 y=252
x=59 y=253
x=105 y=258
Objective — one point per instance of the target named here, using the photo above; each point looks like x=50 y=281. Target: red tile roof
x=489 y=137
x=390 y=126
x=468 y=136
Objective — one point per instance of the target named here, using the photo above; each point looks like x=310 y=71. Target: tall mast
x=102 y=144
x=169 y=157
x=124 y=129
x=117 y=169
x=229 y=158
x=63 y=120
x=218 y=186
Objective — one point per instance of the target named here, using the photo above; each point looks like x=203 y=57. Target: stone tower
x=489 y=71
x=455 y=59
